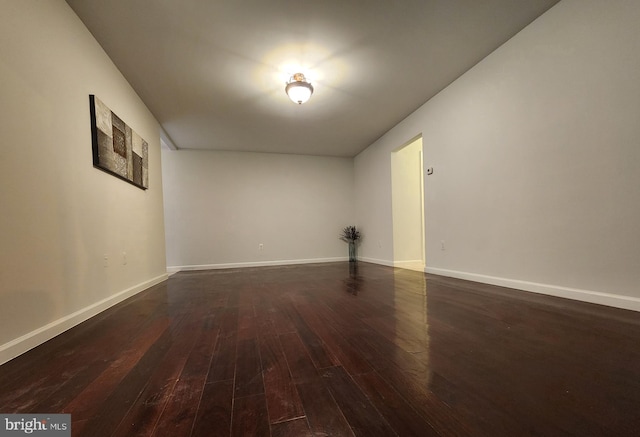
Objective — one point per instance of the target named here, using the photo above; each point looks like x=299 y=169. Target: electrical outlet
x=379 y=243
x=442 y=245
x=124 y=258
x=260 y=246
x=105 y=260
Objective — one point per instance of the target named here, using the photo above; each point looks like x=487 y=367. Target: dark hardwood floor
x=339 y=350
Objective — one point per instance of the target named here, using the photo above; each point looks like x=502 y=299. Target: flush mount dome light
x=298 y=89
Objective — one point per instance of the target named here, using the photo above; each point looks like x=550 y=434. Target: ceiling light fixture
x=298 y=89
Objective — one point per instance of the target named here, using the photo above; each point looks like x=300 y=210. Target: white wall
x=374 y=213
x=219 y=206
x=60 y=216
x=535 y=154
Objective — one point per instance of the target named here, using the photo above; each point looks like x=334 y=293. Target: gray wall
x=220 y=206
x=60 y=216
x=535 y=153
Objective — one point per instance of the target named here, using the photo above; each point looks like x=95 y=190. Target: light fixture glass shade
x=298 y=89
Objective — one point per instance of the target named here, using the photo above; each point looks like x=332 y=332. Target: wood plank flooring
x=337 y=350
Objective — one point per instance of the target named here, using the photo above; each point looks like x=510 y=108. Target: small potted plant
x=351 y=235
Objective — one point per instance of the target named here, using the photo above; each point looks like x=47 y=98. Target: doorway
x=407 y=191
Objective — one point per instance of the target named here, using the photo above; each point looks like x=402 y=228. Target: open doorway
x=407 y=182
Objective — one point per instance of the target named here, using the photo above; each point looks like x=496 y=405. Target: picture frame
x=117 y=149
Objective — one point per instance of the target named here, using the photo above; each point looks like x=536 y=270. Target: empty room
x=338 y=218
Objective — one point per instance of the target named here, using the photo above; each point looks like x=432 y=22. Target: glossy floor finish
x=340 y=350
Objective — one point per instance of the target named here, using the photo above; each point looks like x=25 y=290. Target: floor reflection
x=353 y=283
x=411 y=319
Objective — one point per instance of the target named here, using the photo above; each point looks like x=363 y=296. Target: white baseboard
x=377 y=261
x=416 y=265
x=20 y=345
x=175 y=269
x=612 y=300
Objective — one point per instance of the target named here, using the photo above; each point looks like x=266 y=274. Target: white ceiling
x=213 y=72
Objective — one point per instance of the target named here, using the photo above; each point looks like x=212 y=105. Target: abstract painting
x=117 y=149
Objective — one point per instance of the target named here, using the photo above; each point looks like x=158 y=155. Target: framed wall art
x=117 y=149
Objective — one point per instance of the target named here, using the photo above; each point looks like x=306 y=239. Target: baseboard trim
x=382 y=262
x=416 y=265
x=175 y=269
x=612 y=300
x=20 y=345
